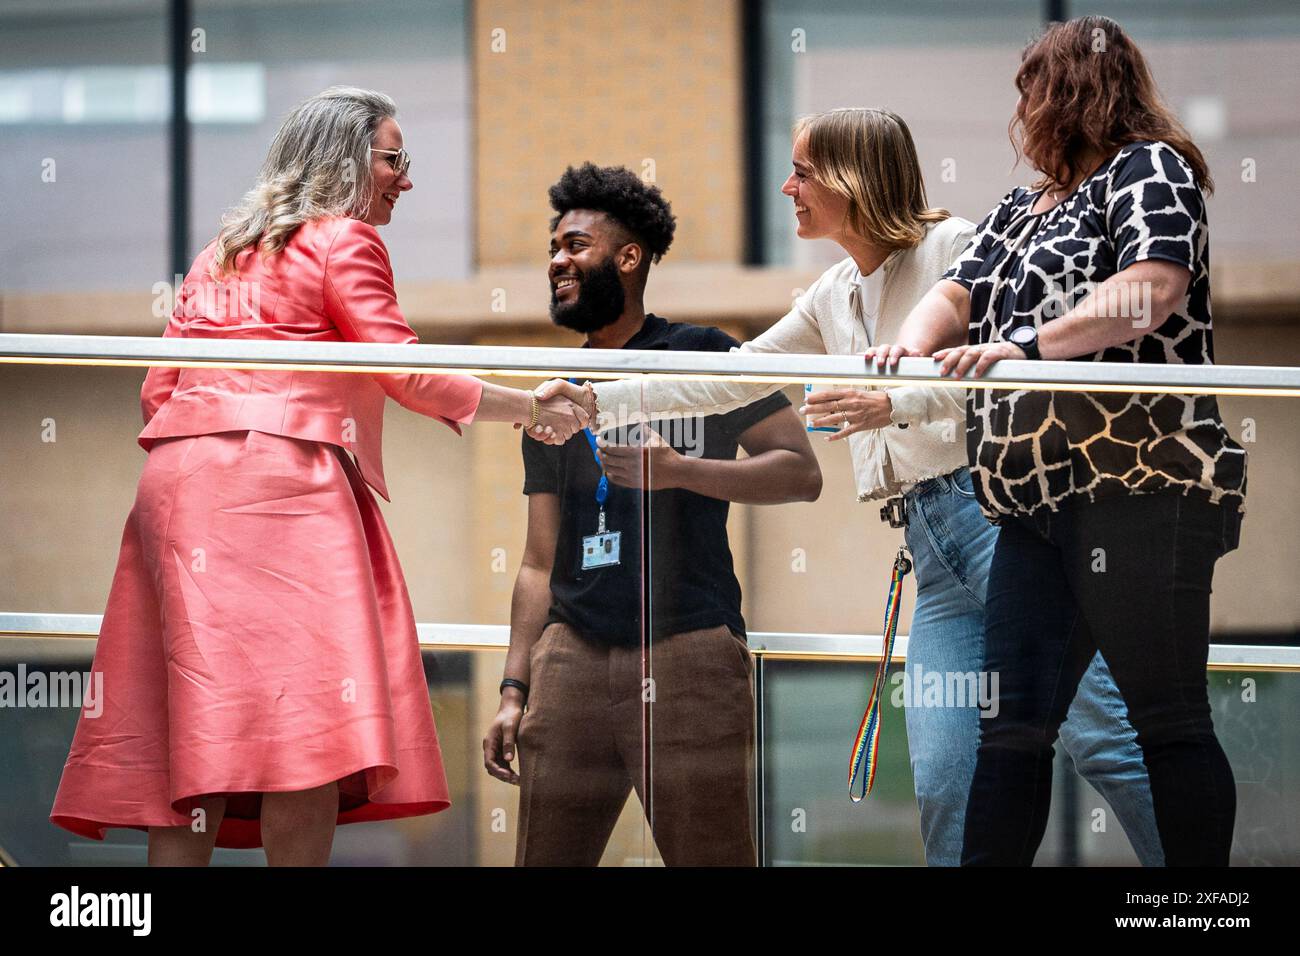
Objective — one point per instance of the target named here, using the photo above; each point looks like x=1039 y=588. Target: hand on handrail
x=888 y=355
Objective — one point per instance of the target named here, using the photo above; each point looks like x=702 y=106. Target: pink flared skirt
x=258 y=638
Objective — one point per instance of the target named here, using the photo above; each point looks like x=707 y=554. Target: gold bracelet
x=535 y=410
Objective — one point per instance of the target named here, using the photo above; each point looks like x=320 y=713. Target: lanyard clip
x=902 y=563
x=894 y=512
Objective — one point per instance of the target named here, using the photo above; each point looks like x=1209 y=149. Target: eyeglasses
x=400 y=161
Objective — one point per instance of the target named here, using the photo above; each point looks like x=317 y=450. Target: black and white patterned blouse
x=1040 y=449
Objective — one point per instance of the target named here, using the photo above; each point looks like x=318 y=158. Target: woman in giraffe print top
x=1112 y=508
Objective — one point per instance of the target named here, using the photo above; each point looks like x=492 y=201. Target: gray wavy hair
x=318 y=165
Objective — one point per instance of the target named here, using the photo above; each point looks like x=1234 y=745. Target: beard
x=599 y=302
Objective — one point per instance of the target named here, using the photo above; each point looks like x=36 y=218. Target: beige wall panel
x=578 y=81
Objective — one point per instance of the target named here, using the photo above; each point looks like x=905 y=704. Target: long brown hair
x=868 y=157
x=1085 y=88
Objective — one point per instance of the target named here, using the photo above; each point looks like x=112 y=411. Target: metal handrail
x=488 y=360
x=772 y=644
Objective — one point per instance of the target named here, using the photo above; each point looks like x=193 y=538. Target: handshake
x=563 y=410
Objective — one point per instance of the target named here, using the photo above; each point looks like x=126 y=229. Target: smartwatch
x=1026 y=337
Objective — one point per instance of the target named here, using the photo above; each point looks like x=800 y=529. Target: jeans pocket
x=961 y=483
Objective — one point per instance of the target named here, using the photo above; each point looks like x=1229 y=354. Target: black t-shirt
x=1037 y=449
x=688 y=561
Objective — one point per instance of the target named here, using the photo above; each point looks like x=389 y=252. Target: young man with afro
x=628 y=665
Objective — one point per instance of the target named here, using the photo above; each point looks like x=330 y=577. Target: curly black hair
x=620 y=194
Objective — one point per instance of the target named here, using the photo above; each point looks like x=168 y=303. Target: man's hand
x=960 y=360
x=853 y=409
x=499 y=744
x=652 y=463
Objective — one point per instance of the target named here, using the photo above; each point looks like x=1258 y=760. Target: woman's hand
x=584 y=395
x=558 y=390
x=853 y=409
x=558 y=420
x=499 y=744
x=959 y=360
x=889 y=355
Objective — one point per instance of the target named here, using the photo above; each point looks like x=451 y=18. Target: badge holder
x=601 y=550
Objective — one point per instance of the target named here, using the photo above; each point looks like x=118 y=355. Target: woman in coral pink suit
x=262 y=677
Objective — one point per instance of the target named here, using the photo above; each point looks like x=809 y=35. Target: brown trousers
x=603 y=720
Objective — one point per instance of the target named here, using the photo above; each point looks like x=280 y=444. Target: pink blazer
x=332 y=282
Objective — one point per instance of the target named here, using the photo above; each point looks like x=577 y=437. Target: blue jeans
x=952 y=548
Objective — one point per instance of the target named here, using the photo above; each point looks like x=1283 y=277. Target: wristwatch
x=1026 y=337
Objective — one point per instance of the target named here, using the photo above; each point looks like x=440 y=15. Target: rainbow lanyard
x=868 y=739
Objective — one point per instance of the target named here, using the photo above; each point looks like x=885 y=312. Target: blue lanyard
x=602 y=489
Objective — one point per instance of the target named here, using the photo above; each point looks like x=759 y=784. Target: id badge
x=601 y=550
